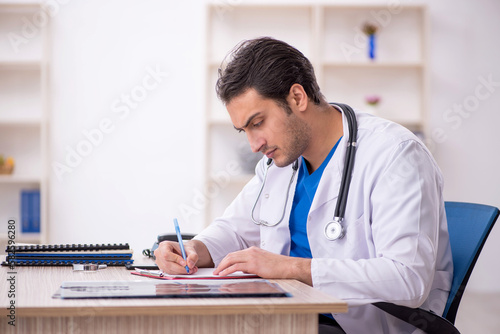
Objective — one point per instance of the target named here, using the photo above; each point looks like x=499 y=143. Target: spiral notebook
x=67 y=255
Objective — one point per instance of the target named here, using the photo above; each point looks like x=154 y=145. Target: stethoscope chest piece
x=334 y=230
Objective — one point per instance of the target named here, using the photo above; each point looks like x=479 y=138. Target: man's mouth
x=270 y=153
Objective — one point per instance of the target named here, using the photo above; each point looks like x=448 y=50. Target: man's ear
x=297 y=97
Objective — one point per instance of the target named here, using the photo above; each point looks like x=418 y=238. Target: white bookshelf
x=398 y=74
x=23 y=112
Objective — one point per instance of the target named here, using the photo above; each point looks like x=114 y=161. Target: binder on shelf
x=25 y=212
x=30 y=211
x=67 y=255
x=35 y=207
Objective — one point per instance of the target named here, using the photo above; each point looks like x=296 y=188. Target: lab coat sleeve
x=401 y=207
x=234 y=230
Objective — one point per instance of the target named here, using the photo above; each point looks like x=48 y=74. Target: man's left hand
x=265 y=264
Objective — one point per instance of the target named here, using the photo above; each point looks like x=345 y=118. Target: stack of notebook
x=67 y=255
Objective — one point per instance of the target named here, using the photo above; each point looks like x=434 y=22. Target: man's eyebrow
x=248 y=121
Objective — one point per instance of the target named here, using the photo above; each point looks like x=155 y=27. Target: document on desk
x=202 y=273
x=210 y=288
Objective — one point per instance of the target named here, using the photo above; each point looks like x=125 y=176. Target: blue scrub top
x=304 y=195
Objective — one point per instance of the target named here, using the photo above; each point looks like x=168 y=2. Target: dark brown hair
x=270 y=67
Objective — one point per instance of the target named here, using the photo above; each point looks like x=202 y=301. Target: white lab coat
x=396 y=246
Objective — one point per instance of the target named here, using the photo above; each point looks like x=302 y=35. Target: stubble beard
x=297 y=138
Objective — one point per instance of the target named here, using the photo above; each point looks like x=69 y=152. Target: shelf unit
x=23 y=112
x=331 y=37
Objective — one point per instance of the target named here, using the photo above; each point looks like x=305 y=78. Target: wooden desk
x=37 y=312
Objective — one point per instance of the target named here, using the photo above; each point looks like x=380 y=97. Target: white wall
x=137 y=177
x=464 y=54
x=131 y=184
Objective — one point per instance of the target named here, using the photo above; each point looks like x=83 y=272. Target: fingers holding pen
x=169 y=258
x=191 y=258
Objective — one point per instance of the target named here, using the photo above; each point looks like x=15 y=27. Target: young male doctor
x=396 y=245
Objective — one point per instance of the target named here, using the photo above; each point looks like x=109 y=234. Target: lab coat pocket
x=358 y=238
x=352 y=246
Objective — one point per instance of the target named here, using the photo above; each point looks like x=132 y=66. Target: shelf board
x=18 y=4
x=20 y=122
x=20 y=65
x=375 y=64
x=18 y=179
x=219 y=122
x=365 y=5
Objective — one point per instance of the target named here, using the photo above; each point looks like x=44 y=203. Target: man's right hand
x=169 y=257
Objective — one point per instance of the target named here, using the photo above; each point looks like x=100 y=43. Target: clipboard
x=202 y=273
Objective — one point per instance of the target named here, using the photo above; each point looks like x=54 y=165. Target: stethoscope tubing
x=295 y=167
x=339 y=212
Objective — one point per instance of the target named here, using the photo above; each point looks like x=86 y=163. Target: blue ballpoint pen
x=179 y=238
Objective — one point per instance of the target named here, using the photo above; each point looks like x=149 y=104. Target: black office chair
x=469 y=226
x=164 y=237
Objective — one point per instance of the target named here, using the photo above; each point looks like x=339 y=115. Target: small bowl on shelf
x=6 y=170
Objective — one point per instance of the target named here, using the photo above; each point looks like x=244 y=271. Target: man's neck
x=327 y=129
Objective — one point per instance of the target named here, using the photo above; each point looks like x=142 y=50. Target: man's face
x=269 y=129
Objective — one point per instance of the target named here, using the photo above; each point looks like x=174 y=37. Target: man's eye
x=256 y=125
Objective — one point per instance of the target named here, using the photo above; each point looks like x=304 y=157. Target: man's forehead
x=244 y=105
x=250 y=95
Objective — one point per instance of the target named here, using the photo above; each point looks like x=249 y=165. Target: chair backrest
x=468 y=225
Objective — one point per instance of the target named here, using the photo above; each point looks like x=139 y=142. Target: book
x=202 y=273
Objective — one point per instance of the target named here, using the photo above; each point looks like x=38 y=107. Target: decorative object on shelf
x=370 y=30
x=372 y=102
x=6 y=165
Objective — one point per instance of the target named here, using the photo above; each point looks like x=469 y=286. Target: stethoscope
x=334 y=229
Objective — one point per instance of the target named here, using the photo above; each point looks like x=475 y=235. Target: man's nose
x=256 y=142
